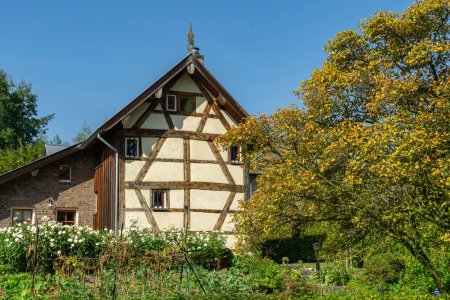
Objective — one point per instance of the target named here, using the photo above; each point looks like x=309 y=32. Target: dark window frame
x=137 y=154
x=235 y=155
x=22 y=209
x=70 y=174
x=66 y=222
x=166 y=202
x=177 y=97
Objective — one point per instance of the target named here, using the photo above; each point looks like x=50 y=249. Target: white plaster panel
x=172 y=148
x=131 y=199
x=166 y=220
x=148 y=143
x=200 y=104
x=165 y=171
x=214 y=126
x=132 y=168
x=186 y=123
x=136 y=217
x=176 y=198
x=158 y=107
x=225 y=155
x=135 y=114
x=208 y=199
x=237 y=172
x=201 y=150
x=237 y=198
x=185 y=84
x=229 y=118
x=203 y=221
x=155 y=121
x=228 y=224
x=207 y=173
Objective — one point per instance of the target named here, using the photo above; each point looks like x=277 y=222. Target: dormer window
x=171 y=103
x=235 y=155
x=132 y=147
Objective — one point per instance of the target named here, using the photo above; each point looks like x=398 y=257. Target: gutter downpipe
x=116 y=194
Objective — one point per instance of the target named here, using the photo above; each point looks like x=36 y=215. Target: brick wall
x=34 y=192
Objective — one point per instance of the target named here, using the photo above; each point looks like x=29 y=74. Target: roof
x=39 y=163
x=200 y=72
x=52 y=149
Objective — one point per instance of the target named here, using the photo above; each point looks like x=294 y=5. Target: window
x=132 y=147
x=235 y=155
x=171 y=103
x=66 y=217
x=65 y=173
x=187 y=104
x=21 y=215
x=159 y=199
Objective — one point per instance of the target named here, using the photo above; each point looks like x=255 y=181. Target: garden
x=54 y=261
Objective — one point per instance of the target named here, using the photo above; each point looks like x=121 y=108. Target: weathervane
x=190 y=40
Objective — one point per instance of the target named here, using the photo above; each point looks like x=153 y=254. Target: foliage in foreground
x=369 y=155
x=18 y=245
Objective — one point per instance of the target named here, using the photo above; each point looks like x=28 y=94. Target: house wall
x=33 y=192
x=204 y=187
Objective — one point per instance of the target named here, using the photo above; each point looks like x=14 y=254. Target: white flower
x=16 y=239
x=58 y=252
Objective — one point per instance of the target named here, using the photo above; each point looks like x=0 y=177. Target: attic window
x=132 y=147
x=65 y=174
x=171 y=103
x=235 y=155
x=187 y=104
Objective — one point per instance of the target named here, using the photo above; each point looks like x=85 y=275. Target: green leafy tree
x=83 y=134
x=19 y=123
x=369 y=154
x=14 y=158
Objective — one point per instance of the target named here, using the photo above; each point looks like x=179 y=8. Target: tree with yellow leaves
x=369 y=153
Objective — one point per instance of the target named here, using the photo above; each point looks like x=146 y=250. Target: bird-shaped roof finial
x=190 y=39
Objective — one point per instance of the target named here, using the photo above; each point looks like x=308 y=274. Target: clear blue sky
x=88 y=59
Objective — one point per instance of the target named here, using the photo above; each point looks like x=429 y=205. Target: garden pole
x=36 y=244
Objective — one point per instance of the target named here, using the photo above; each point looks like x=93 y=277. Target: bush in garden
x=263 y=274
x=17 y=243
x=56 y=240
x=338 y=275
x=207 y=249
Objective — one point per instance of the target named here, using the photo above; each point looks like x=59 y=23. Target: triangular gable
x=201 y=74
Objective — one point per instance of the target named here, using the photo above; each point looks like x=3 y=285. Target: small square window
x=171 y=103
x=21 y=215
x=66 y=217
x=132 y=147
x=187 y=104
x=65 y=173
x=235 y=155
x=160 y=199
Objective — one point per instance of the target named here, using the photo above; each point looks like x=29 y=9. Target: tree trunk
x=424 y=260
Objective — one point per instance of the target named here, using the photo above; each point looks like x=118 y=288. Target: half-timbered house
x=153 y=163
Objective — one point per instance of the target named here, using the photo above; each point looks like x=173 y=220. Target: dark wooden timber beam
x=168 y=134
x=180 y=185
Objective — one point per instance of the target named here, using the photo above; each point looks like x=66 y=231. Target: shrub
x=338 y=275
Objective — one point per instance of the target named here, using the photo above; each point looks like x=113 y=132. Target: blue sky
x=88 y=59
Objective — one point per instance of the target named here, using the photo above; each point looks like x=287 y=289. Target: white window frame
x=167 y=102
x=165 y=201
x=137 y=147
x=70 y=174
x=59 y=209
x=23 y=207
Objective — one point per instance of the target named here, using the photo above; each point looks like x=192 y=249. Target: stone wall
x=29 y=191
